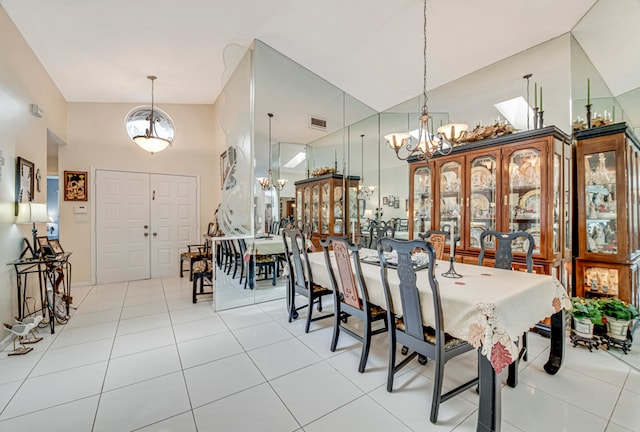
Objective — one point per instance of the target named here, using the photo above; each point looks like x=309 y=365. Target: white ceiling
x=102 y=51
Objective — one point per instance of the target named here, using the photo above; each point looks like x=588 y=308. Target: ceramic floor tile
x=76 y=416
x=207 y=349
x=143 y=310
x=314 y=391
x=261 y=335
x=142 y=366
x=374 y=375
x=573 y=387
x=221 y=378
x=80 y=335
x=612 y=427
x=361 y=414
x=98 y=305
x=633 y=381
x=67 y=386
x=73 y=356
x=80 y=319
x=319 y=341
x=196 y=312
x=7 y=391
x=180 y=423
x=199 y=328
x=148 y=322
x=244 y=317
x=471 y=424
x=144 y=298
x=283 y=357
x=268 y=413
x=17 y=367
x=142 y=341
x=595 y=364
x=141 y=404
x=522 y=407
x=410 y=402
x=626 y=412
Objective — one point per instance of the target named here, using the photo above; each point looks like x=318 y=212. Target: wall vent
x=316 y=122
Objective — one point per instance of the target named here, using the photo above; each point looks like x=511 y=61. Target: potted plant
x=618 y=316
x=586 y=312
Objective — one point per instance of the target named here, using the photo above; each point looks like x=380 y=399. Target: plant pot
x=583 y=327
x=617 y=329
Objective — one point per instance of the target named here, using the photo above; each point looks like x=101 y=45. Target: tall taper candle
x=535 y=95
x=613 y=113
x=540 y=98
x=588 y=91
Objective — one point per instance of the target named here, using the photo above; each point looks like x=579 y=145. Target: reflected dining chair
x=350 y=295
x=408 y=329
x=301 y=279
x=502 y=243
x=380 y=230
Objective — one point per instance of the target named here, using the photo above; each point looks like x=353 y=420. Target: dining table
x=488 y=307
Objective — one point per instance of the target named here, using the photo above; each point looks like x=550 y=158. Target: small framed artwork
x=43 y=240
x=406 y=204
x=24 y=181
x=385 y=201
x=75 y=186
x=55 y=245
x=396 y=204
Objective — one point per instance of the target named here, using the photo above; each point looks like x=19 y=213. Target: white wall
x=23 y=81
x=97 y=139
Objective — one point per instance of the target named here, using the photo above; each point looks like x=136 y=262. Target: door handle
x=155 y=234
x=146 y=234
x=146 y=226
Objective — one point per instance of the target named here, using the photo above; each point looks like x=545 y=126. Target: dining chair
x=380 y=230
x=301 y=279
x=196 y=252
x=439 y=239
x=409 y=329
x=503 y=245
x=350 y=295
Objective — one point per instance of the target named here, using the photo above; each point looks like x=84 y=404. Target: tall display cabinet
x=320 y=204
x=607 y=166
x=518 y=182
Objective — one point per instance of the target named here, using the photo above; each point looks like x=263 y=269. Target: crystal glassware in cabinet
x=601 y=228
x=315 y=218
x=482 y=197
x=422 y=201
x=324 y=214
x=450 y=196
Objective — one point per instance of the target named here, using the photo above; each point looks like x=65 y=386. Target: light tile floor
x=141 y=356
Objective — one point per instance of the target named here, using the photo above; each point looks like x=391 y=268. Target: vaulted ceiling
x=102 y=51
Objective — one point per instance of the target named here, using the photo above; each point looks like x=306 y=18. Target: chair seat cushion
x=191 y=255
x=265 y=259
x=202 y=266
x=430 y=335
x=319 y=288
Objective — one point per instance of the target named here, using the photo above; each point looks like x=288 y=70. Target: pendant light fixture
x=267 y=183
x=158 y=130
x=424 y=145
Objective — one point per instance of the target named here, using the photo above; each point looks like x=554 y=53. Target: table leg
x=556 y=349
x=489 y=411
x=251 y=274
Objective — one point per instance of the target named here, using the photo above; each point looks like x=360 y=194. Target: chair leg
x=392 y=362
x=181 y=267
x=525 y=356
x=366 y=343
x=275 y=273
x=191 y=269
x=437 y=389
x=336 y=328
x=309 y=313
x=195 y=287
x=320 y=304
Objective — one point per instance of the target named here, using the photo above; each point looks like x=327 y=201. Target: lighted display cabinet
x=607 y=166
x=517 y=182
x=320 y=205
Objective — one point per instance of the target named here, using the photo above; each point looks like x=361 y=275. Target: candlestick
x=540 y=119
x=588 y=107
x=540 y=98
x=535 y=118
x=588 y=91
x=535 y=95
x=452 y=236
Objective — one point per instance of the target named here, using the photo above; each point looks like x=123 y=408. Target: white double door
x=143 y=221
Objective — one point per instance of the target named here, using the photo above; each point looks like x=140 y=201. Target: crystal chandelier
x=364 y=192
x=267 y=183
x=422 y=144
x=151 y=140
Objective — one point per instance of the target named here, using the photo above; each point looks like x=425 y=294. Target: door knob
x=155 y=234
x=146 y=226
x=146 y=234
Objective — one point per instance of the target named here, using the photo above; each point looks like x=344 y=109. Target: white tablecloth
x=488 y=307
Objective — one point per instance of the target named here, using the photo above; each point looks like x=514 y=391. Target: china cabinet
x=320 y=205
x=517 y=182
x=607 y=163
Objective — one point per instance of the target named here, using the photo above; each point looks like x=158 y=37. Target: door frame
x=92 y=205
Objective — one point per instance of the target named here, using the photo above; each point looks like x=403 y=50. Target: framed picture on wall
x=24 y=181
x=227 y=161
x=75 y=186
x=396 y=203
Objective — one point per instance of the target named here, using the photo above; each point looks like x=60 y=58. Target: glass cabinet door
x=337 y=210
x=324 y=208
x=450 y=196
x=354 y=215
x=601 y=227
x=557 y=196
x=299 y=205
x=422 y=201
x=315 y=200
x=482 y=197
x=307 y=205
x=524 y=195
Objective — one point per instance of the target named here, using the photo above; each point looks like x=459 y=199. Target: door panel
x=122 y=211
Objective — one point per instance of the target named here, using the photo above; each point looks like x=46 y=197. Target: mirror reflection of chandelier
x=267 y=183
x=421 y=143
x=364 y=192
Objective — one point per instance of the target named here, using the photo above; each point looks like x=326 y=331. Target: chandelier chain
x=425 y=107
